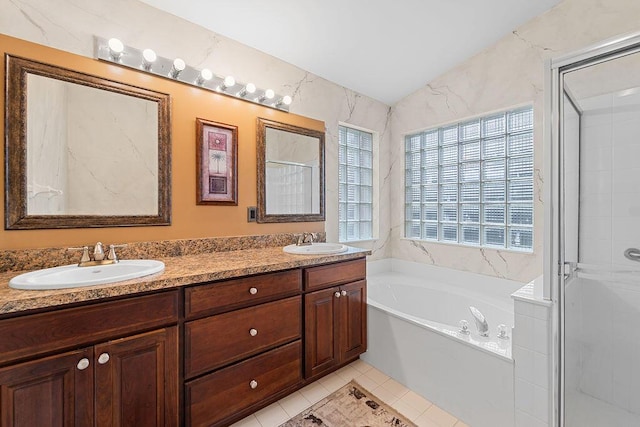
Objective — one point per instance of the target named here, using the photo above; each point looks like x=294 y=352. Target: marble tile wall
x=97 y=168
x=46 y=190
x=508 y=74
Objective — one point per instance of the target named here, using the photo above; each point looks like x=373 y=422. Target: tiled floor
x=410 y=404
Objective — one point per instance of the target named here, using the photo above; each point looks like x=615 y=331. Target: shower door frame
x=555 y=268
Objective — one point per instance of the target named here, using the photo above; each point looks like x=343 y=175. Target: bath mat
x=350 y=406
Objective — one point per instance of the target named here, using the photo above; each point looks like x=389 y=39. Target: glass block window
x=472 y=183
x=355 y=177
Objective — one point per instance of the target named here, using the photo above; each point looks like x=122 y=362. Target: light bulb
x=204 y=76
x=148 y=58
x=229 y=81
x=179 y=64
x=149 y=55
x=267 y=95
x=115 y=48
x=285 y=100
x=247 y=89
x=176 y=68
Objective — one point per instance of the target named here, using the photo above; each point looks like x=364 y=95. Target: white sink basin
x=316 y=249
x=72 y=276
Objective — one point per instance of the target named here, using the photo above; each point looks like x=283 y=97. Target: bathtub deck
x=407 y=402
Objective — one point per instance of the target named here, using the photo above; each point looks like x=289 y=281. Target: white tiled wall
x=609 y=171
x=531 y=353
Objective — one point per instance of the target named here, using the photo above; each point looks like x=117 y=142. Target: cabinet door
x=353 y=319
x=137 y=380
x=321 y=342
x=53 y=391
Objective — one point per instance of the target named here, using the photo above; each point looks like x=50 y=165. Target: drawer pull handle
x=253 y=332
x=253 y=291
x=343 y=293
x=337 y=294
x=253 y=384
x=83 y=364
x=103 y=358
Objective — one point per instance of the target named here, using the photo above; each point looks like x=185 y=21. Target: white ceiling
x=381 y=48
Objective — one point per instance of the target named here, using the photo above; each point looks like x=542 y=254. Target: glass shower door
x=601 y=208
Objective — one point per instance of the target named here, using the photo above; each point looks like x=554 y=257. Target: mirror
x=83 y=151
x=290 y=173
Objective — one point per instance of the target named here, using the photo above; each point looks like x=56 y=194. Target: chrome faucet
x=481 y=322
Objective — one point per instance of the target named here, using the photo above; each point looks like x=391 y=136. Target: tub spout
x=481 y=322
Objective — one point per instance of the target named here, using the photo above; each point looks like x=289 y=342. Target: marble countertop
x=179 y=271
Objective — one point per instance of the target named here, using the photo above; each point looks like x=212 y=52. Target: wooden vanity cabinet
x=335 y=316
x=244 y=343
x=108 y=381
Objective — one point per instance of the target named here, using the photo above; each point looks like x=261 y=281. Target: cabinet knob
x=337 y=294
x=83 y=364
x=253 y=291
x=103 y=358
x=343 y=293
x=253 y=332
x=253 y=384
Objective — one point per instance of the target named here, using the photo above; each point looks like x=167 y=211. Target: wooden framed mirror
x=83 y=151
x=290 y=173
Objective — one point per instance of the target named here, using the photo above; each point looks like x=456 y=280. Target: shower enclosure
x=596 y=234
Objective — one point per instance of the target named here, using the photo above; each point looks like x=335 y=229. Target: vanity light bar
x=113 y=50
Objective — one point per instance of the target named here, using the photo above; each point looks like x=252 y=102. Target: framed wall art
x=216 y=163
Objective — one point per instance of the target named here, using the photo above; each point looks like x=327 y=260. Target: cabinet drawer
x=30 y=335
x=324 y=276
x=217 y=396
x=230 y=294
x=218 y=340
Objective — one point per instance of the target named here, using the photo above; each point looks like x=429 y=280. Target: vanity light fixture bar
x=114 y=51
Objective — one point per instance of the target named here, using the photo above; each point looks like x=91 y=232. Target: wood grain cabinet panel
x=321 y=344
x=353 y=318
x=214 y=400
x=137 y=380
x=324 y=276
x=226 y=295
x=218 y=340
x=50 y=392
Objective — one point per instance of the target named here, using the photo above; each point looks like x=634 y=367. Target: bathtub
x=413 y=315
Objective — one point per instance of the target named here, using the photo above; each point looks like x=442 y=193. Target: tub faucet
x=481 y=322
